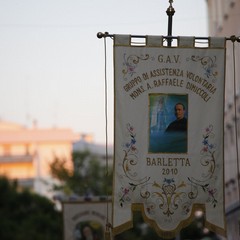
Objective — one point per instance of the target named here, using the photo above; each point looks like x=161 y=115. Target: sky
x=52 y=63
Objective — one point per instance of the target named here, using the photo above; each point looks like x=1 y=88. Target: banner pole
x=170 y=12
x=233 y=38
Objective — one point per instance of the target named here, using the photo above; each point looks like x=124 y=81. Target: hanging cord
x=108 y=225
x=236 y=118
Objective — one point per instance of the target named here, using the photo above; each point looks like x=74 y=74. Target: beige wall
x=223 y=19
x=43 y=152
x=25 y=154
x=22 y=170
x=47 y=152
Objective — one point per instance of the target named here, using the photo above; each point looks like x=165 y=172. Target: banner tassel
x=107 y=232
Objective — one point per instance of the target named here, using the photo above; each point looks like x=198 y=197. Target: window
x=6 y=149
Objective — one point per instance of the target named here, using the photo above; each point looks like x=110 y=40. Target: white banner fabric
x=84 y=220
x=169 y=111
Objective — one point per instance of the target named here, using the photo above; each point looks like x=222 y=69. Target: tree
x=88 y=176
x=26 y=216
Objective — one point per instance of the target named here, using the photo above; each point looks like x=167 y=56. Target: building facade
x=86 y=143
x=26 y=153
x=223 y=19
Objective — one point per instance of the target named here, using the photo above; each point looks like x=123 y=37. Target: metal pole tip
x=101 y=35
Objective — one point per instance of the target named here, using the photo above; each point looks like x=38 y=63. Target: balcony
x=16 y=158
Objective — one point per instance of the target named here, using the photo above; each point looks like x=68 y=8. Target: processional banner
x=84 y=220
x=168 y=140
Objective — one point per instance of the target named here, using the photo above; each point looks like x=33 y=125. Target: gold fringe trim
x=169 y=234
x=107 y=234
